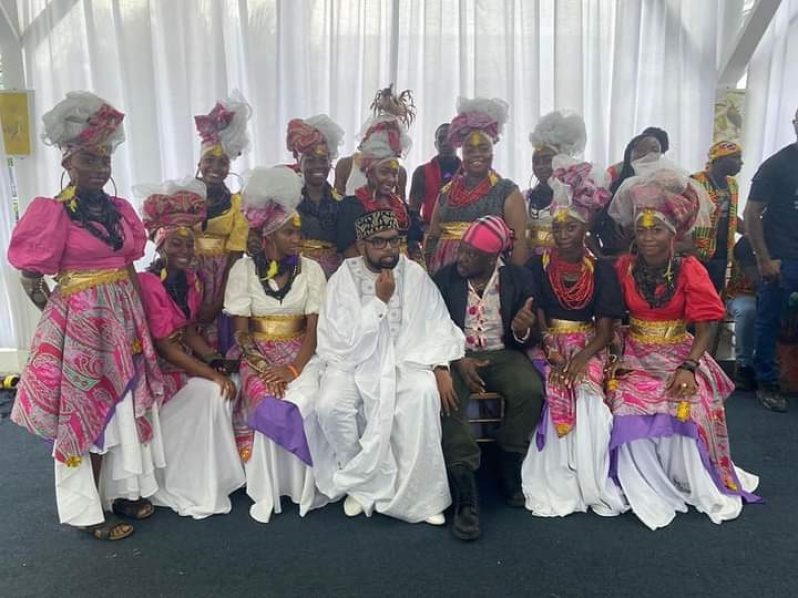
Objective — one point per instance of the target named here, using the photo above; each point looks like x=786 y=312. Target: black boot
x=744 y=378
x=465 y=520
x=510 y=467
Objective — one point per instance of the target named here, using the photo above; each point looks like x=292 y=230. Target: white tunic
x=378 y=437
x=271 y=471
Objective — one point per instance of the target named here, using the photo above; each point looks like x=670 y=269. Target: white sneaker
x=438 y=519
x=352 y=508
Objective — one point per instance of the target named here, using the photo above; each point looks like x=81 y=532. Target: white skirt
x=273 y=472
x=202 y=463
x=662 y=476
x=128 y=470
x=571 y=474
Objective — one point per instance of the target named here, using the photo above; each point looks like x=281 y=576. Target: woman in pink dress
x=202 y=465
x=222 y=237
x=91 y=386
x=669 y=441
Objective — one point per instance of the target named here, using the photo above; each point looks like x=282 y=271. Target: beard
x=385 y=263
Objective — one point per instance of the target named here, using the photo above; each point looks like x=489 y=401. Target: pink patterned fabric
x=483 y=325
x=489 y=234
x=47 y=241
x=211 y=270
x=642 y=392
x=588 y=198
x=302 y=138
x=164 y=318
x=100 y=126
x=163 y=214
x=91 y=347
x=89 y=350
x=254 y=389
x=209 y=125
x=560 y=400
x=463 y=124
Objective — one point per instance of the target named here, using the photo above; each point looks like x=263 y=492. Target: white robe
x=377 y=435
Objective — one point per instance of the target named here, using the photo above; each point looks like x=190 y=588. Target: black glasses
x=382 y=242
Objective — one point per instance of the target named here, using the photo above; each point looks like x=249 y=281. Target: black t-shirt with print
x=776 y=185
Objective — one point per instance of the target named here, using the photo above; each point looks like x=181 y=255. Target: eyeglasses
x=382 y=243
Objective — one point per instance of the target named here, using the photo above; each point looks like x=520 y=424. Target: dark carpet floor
x=327 y=554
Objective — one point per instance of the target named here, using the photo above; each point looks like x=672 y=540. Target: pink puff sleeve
x=134 y=246
x=39 y=238
x=702 y=303
x=158 y=306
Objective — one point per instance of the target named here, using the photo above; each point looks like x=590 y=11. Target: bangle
x=293 y=370
x=524 y=338
x=689 y=365
x=212 y=357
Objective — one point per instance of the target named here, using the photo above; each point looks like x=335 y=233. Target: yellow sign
x=15 y=120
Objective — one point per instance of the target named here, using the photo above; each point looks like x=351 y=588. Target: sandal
x=110 y=530
x=133 y=509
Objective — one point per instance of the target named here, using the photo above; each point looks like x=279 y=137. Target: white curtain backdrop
x=772 y=96
x=624 y=64
x=18 y=316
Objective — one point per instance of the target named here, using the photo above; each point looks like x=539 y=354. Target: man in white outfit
x=386 y=339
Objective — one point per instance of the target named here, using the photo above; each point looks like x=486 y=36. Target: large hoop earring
x=63 y=172
x=113 y=182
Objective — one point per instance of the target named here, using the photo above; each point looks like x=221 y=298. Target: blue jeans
x=771 y=300
x=743 y=309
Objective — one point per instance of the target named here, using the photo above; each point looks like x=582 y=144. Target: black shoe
x=465 y=520
x=744 y=378
x=771 y=398
x=510 y=468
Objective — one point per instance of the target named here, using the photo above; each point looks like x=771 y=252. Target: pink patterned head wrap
x=100 y=126
x=209 y=125
x=577 y=193
x=303 y=138
x=463 y=124
x=164 y=214
x=382 y=140
x=489 y=234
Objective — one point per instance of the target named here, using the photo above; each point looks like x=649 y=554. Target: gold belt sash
x=74 y=281
x=209 y=245
x=316 y=245
x=453 y=231
x=278 y=328
x=568 y=326
x=664 y=332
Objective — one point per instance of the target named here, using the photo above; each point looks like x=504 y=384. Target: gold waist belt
x=315 y=245
x=567 y=326
x=74 y=281
x=209 y=245
x=660 y=332
x=540 y=236
x=278 y=328
x=453 y=231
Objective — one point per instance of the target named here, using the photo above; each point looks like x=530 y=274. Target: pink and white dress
x=91 y=384
x=202 y=465
x=670 y=452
